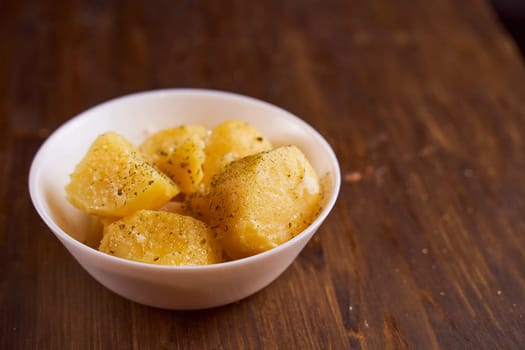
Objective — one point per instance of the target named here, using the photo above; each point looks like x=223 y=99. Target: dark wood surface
x=423 y=102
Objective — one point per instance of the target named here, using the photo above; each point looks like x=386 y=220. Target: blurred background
x=422 y=101
x=512 y=14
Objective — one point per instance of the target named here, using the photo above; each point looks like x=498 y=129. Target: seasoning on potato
x=163 y=238
x=229 y=141
x=114 y=179
x=261 y=201
x=238 y=196
x=179 y=153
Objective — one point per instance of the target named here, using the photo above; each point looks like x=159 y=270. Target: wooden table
x=423 y=102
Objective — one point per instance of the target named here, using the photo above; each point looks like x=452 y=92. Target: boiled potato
x=237 y=194
x=197 y=205
x=229 y=141
x=162 y=238
x=114 y=179
x=179 y=153
x=263 y=200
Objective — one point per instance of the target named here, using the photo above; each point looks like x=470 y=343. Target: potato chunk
x=114 y=179
x=162 y=238
x=179 y=153
x=263 y=200
x=229 y=141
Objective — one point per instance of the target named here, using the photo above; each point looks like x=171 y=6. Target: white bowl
x=171 y=287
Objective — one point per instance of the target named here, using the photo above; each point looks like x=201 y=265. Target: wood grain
x=422 y=102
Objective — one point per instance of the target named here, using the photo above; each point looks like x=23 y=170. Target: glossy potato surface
x=263 y=200
x=230 y=141
x=179 y=153
x=115 y=179
x=163 y=238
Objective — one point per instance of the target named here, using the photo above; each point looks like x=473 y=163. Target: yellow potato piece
x=263 y=200
x=114 y=179
x=197 y=205
x=179 y=153
x=230 y=141
x=162 y=238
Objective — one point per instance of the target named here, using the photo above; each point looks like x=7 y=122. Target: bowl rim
x=34 y=174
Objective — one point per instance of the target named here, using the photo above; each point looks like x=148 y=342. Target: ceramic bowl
x=134 y=116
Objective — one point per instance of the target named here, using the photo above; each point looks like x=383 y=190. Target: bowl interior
x=138 y=115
